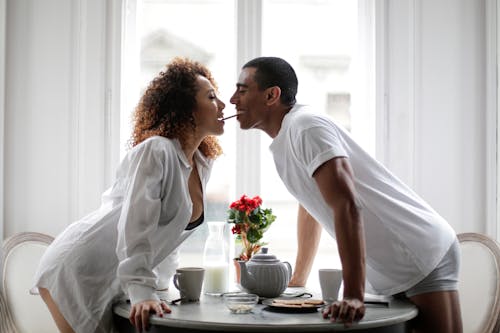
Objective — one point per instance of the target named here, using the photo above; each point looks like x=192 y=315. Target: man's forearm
x=308 y=237
x=351 y=245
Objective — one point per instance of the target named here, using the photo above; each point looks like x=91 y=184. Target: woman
x=155 y=202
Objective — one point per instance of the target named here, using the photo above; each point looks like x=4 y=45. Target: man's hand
x=347 y=311
x=139 y=313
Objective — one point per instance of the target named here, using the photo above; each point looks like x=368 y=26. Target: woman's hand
x=295 y=282
x=347 y=311
x=139 y=313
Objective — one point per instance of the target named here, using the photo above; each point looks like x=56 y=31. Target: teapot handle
x=289 y=267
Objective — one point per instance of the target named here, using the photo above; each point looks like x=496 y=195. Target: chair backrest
x=22 y=253
x=479 y=283
x=6 y=322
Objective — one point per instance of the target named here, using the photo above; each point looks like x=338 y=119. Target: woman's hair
x=273 y=71
x=166 y=107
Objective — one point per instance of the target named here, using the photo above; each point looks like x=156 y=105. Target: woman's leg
x=61 y=323
x=438 y=312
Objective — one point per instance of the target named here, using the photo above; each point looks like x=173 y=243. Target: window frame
x=376 y=33
x=249 y=41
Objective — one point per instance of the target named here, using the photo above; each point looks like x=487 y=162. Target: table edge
x=120 y=310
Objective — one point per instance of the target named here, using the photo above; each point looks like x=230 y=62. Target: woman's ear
x=273 y=95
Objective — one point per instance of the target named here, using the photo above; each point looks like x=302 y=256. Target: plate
x=288 y=306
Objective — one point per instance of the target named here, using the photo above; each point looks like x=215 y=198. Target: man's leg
x=438 y=312
x=61 y=323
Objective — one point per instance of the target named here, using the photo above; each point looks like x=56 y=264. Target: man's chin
x=244 y=126
x=247 y=126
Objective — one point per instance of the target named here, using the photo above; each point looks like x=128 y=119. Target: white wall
x=57 y=132
x=60 y=135
x=436 y=109
x=450 y=152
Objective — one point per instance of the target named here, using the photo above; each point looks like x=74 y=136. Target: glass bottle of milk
x=216 y=259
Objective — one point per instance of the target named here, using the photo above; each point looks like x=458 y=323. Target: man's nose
x=232 y=100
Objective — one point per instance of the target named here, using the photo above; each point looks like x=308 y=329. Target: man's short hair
x=273 y=71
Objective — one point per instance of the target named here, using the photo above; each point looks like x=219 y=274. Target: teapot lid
x=264 y=256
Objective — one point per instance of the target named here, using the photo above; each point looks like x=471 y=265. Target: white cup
x=189 y=281
x=330 y=280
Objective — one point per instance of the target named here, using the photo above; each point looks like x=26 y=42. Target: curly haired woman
x=128 y=247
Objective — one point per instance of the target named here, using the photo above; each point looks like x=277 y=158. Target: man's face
x=249 y=100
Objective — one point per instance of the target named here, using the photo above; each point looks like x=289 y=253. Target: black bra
x=196 y=223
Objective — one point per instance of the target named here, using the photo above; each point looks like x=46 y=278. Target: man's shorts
x=443 y=278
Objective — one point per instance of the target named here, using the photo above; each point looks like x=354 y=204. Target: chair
x=6 y=322
x=479 y=283
x=25 y=312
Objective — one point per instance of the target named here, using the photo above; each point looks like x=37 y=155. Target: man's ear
x=273 y=95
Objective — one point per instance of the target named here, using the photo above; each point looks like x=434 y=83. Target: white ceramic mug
x=330 y=280
x=189 y=281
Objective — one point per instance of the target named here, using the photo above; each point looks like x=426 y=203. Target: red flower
x=246 y=204
x=250 y=221
x=236 y=229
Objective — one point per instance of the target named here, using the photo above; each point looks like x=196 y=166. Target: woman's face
x=208 y=110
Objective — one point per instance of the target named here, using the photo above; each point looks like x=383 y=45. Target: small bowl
x=240 y=303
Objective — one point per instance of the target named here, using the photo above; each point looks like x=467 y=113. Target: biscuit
x=297 y=303
x=281 y=305
x=288 y=301
x=314 y=301
x=307 y=305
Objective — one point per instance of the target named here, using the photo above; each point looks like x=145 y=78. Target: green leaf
x=254 y=235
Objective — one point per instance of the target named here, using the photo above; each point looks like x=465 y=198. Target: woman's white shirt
x=156 y=208
x=129 y=245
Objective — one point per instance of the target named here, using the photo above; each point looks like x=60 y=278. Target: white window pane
x=170 y=28
x=318 y=38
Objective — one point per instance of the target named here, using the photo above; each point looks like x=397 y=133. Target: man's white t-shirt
x=405 y=238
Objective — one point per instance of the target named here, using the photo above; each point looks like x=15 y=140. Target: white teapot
x=265 y=275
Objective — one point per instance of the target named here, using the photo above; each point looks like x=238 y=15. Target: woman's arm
x=308 y=237
x=137 y=225
x=166 y=269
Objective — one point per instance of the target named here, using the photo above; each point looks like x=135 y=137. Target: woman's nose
x=222 y=105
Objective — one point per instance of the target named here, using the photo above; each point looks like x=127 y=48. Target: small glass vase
x=216 y=259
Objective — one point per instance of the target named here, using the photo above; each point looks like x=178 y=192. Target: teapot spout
x=247 y=280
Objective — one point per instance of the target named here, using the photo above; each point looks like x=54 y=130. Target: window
x=327 y=70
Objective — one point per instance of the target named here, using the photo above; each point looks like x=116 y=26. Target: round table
x=210 y=314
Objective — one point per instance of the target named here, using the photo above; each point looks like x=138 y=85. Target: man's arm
x=308 y=237
x=335 y=180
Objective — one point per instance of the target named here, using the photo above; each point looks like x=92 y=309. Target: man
x=384 y=230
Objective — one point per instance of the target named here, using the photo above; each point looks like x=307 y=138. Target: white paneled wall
x=57 y=135
x=3 y=24
x=451 y=114
x=60 y=139
x=436 y=110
